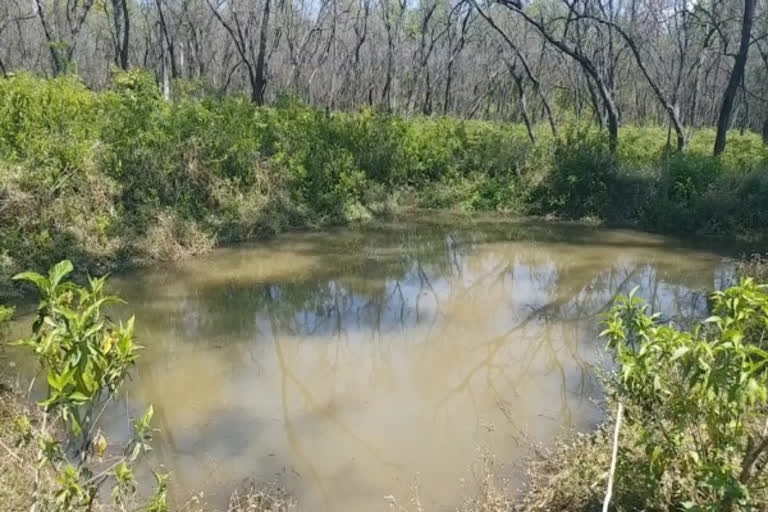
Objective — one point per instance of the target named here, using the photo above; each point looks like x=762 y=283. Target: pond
x=352 y=363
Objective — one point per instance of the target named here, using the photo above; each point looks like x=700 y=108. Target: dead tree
x=252 y=50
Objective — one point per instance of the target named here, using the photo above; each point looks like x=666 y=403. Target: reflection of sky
x=353 y=360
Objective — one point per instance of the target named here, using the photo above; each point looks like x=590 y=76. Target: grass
x=17 y=480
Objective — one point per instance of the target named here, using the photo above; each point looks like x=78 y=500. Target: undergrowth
x=122 y=177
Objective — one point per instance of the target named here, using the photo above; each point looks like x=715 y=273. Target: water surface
x=352 y=361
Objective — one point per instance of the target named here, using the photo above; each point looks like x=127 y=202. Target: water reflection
x=351 y=360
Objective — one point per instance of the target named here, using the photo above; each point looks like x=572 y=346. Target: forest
x=677 y=64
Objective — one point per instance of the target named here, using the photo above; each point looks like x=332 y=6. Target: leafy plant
x=5 y=314
x=696 y=399
x=581 y=179
x=85 y=359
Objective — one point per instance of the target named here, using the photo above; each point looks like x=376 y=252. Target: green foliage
x=115 y=177
x=5 y=314
x=583 y=174
x=85 y=359
x=696 y=402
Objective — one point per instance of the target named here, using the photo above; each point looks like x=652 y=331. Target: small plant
x=697 y=402
x=85 y=359
x=5 y=314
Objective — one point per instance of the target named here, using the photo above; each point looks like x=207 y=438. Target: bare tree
x=120 y=29
x=521 y=58
x=238 y=20
x=62 y=25
x=569 y=35
x=681 y=63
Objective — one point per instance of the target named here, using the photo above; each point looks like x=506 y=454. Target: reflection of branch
x=293 y=438
x=425 y=279
x=287 y=373
x=520 y=436
x=495 y=345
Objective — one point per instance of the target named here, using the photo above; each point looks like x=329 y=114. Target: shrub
x=5 y=314
x=85 y=359
x=122 y=176
x=697 y=401
x=754 y=266
x=687 y=176
x=582 y=175
x=692 y=434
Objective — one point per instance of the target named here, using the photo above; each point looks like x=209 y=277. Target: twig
x=11 y=452
x=106 y=471
x=614 y=456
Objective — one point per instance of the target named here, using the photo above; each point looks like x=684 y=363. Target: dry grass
x=254 y=497
x=755 y=266
x=171 y=238
x=494 y=491
x=16 y=460
x=571 y=476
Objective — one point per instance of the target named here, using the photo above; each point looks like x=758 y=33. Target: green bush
x=85 y=359
x=583 y=173
x=692 y=435
x=123 y=176
x=697 y=401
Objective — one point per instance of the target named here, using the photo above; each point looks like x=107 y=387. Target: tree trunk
x=53 y=45
x=166 y=76
x=599 y=117
x=724 y=119
x=386 y=92
x=259 y=83
x=613 y=129
x=765 y=132
x=522 y=103
x=169 y=41
x=122 y=32
x=427 y=109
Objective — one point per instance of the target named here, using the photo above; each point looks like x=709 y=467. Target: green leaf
x=680 y=352
x=146 y=419
x=59 y=272
x=79 y=396
x=33 y=277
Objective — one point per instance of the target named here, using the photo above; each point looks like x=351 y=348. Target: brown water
x=352 y=362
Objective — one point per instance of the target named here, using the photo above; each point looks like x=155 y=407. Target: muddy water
x=351 y=363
